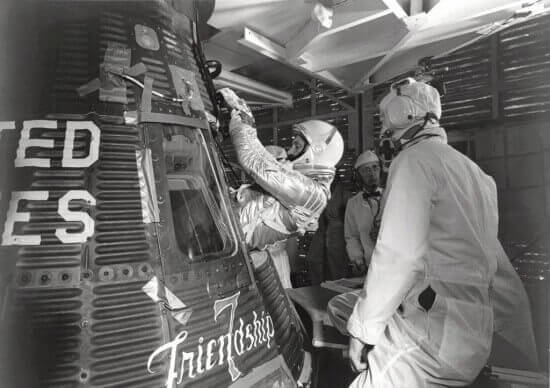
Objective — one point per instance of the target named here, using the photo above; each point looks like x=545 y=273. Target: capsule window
x=200 y=216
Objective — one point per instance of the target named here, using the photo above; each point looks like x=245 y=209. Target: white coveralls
x=359 y=219
x=281 y=262
x=513 y=338
x=438 y=233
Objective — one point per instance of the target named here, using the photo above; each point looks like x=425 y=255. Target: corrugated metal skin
x=54 y=316
x=92 y=29
x=91 y=322
x=84 y=303
x=288 y=330
x=48 y=299
x=124 y=324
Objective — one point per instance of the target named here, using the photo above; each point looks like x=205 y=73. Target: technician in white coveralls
x=363 y=211
x=425 y=317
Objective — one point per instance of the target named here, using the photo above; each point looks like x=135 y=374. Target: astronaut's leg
x=390 y=367
x=403 y=359
x=281 y=263
x=340 y=308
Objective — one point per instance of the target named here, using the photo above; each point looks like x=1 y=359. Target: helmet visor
x=298 y=147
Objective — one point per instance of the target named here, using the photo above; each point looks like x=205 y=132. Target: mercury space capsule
x=121 y=261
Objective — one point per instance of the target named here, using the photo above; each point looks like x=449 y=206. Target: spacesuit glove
x=238 y=106
x=358 y=352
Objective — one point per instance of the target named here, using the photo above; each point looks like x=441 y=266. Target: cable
x=225 y=160
x=155 y=93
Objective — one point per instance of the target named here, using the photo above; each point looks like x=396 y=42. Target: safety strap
x=137 y=69
x=88 y=87
x=146 y=95
x=95 y=84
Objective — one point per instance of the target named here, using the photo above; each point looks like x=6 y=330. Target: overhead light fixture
x=254 y=88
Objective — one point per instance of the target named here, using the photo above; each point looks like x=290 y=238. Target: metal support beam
x=265 y=46
x=518 y=13
x=315 y=32
x=255 y=88
x=362 y=53
x=396 y=8
x=413 y=28
x=310 y=32
x=416 y=7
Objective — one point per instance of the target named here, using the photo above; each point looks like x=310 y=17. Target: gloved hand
x=238 y=106
x=358 y=352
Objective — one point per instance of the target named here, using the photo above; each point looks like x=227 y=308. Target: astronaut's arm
x=288 y=186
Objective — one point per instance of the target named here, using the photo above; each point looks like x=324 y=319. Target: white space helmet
x=366 y=157
x=278 y=152
x=325 y=144
x=408 y=104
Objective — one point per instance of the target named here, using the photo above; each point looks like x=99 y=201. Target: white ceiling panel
x=368 y=40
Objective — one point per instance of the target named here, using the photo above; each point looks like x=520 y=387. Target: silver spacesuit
x=293 y=195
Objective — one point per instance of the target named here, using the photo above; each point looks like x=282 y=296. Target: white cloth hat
x=366 y=157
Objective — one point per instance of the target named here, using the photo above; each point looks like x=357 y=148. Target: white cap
x=366 y=157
